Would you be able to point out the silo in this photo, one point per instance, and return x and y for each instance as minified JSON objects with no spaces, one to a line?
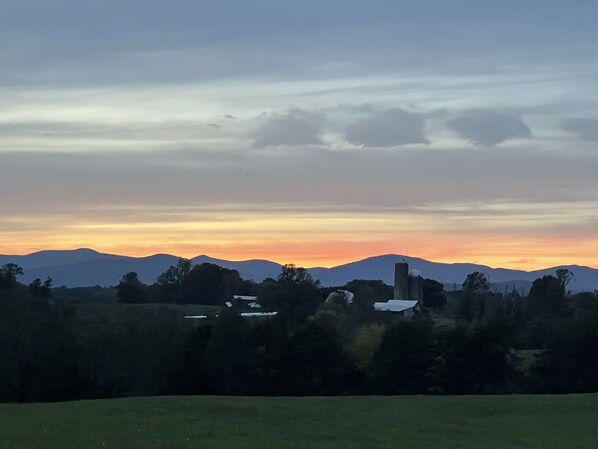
{"x":401,"y":280}
{"x":415,"y":290}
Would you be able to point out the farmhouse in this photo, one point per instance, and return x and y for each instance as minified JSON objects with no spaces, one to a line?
{"x":408,"y":292}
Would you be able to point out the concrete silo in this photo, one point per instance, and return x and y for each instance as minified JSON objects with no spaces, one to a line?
{"x":401,"y":281}
{"x":415,"y":290}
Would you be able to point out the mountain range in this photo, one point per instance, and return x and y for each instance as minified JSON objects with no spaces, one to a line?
{"x":86,"y":267}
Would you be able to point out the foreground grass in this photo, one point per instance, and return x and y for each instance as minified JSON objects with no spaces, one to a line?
{"x":339,"y":422}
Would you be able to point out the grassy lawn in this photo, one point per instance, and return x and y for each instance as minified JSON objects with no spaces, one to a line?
{"x":559,"y":422}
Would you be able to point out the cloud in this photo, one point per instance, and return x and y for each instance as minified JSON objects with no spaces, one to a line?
{"x":293,"y":127}
{"x":488,"y":128}
{"x":256,"y":201}
{"x":57,"y":182}
{"x":64,"y":42}
{"x":388,"y":128}
{"x":586,"y":129}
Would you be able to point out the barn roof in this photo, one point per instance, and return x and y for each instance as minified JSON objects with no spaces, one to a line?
{"x":395,"y":305}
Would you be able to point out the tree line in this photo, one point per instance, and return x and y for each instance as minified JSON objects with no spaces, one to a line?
{"x":471,"y":341}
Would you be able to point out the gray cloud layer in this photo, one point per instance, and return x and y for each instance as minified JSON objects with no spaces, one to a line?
{"x":388,"y":128}
{"x":132,"y":41}
{"x":586,"y":129}
{"x":57,"y":183}
{"x":488,"y":128}
{"x":293,"y":127}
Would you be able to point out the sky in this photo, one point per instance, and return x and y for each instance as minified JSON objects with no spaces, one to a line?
{"x":312,"y":132}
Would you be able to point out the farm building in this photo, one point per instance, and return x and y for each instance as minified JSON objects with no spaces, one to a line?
{"x":246,"y":301}
{"x":408,"y":292}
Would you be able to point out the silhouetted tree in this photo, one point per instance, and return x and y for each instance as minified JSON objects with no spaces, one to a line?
{"x":229,"y":354}
{"x":475,"y":358}
{"x":209,"y":284}
{"x":570,"y":361}
{"x":405,"y":355}
{"x":365,"y":345}
{"x":366,"y":292}
{"x":472,"y":299}
{"x":8,"y":275}
{"x":170,"y":282}
{"x":194,"y":376}
{"x":291,"y":274}
{"x":476,"y":283}
{"x":315,"y":362}
{"x":565,"y":276}
{"x":41,"y":289}
{"x":295,"y":292}
{"x":546,"y":296}
{"x":130,"y":289}
{"x":433,"y":293}
{"x":38,"y":351}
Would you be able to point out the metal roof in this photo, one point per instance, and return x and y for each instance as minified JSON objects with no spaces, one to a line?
{"x":245,"y":298}
{"x":395,"y":305}
{"x":252,"y":314}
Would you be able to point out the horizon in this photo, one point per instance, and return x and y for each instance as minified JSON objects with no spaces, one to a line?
{"x":315,"y":133}
{"x":290,"y":262}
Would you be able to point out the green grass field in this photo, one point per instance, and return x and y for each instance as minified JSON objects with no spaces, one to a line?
{"x":559,"y":422}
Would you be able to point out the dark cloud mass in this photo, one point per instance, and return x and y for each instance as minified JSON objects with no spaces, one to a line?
{"x":488,"y":128}
{"x":586,"y":129}
{"x":291,"y":128}
{"x":388,"y":128}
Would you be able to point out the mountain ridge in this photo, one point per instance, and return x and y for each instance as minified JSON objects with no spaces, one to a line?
{"x":87,"y":267}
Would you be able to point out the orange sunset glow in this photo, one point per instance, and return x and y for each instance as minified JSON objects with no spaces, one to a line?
{"x":321,"y":239}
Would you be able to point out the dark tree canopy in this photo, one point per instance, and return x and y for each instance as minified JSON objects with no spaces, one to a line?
{"x":53,"y":351}
{"x":175,"y":275}
{"x":476,"y":283}
{"x":405,"y":353}
{"x":206,"y":283}
{"x":564,"y":276}
{"x":209,"y":284}
{"x":369,"y":291}
{"x":8,"y":275}
{"x":42,"y":289}
{"x":433,"y":293}
{"x":131,"y":290}
{"x":546,"y":296}
{"x":291,"y":274}
{"x":294,"y":292}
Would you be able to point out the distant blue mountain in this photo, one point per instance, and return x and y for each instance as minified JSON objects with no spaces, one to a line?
{"x":382,"y":267}
{"x":452,"y":275}
{"x":64,"y":257}
{"x":86,"y":267}
{"x":256,"y":269}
